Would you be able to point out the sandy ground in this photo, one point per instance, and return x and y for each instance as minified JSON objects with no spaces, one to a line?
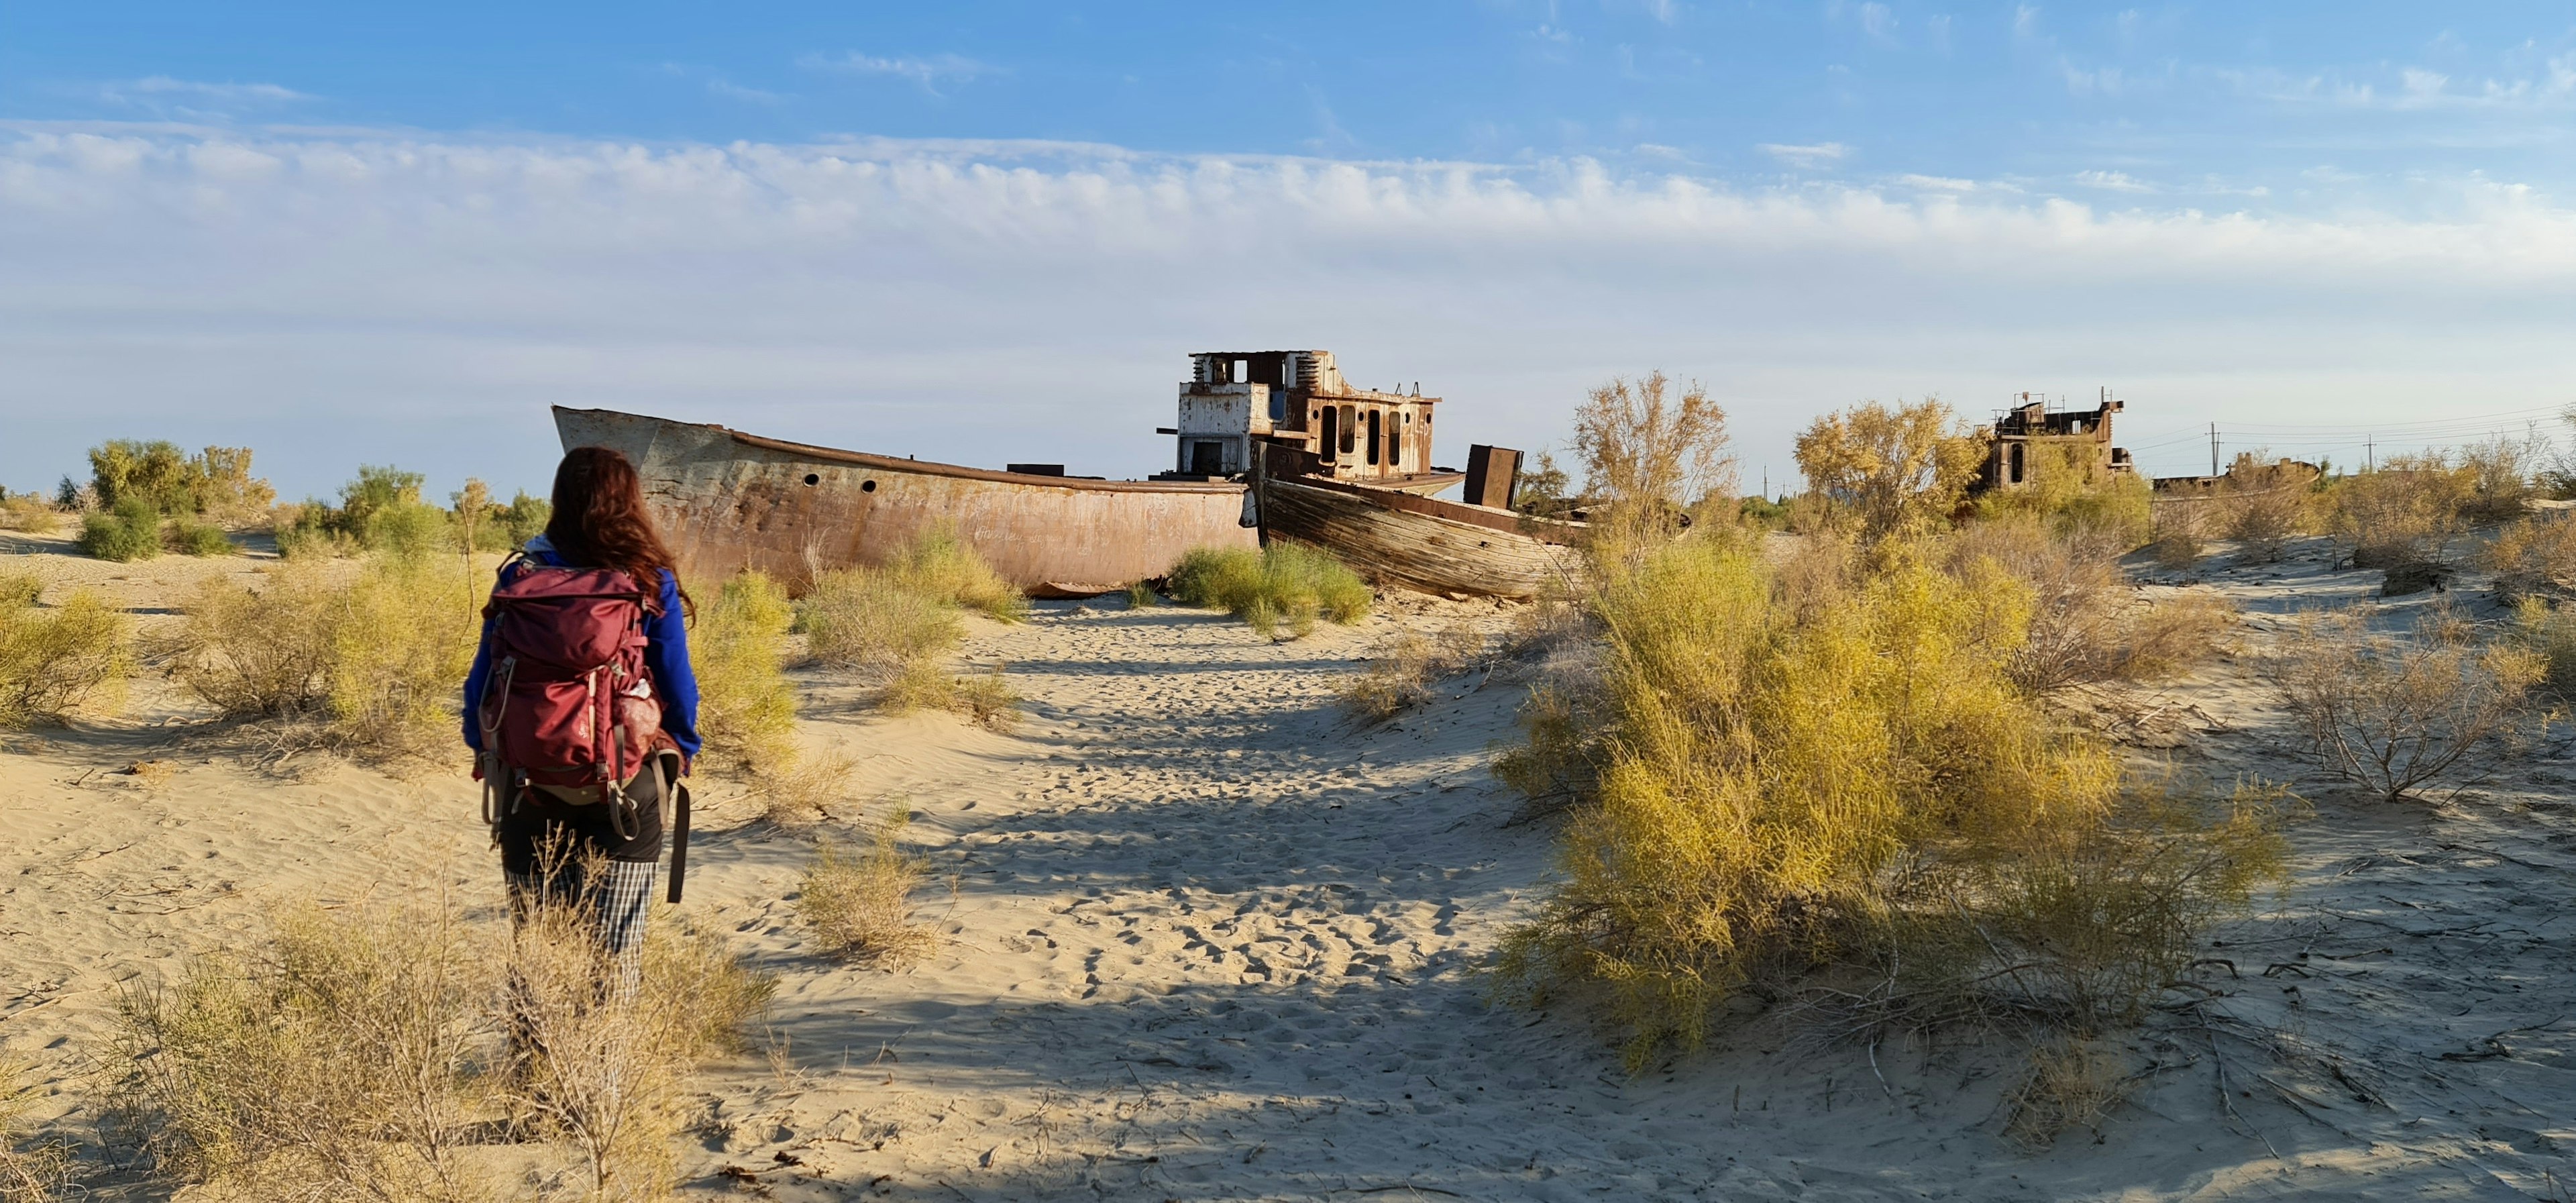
{"x":1207,"y":937}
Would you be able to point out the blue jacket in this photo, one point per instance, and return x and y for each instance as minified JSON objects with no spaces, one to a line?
{"x":666,"y":659}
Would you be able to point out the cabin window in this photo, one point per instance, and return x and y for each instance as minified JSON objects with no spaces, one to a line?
{"x":1332,"y":424}
{"x":1394,"y":444}
{"x":1278,"y":407}
{"x":1207,"y":457}
{"x":2015,"y":457}
{"x":1373,"y":436}
{"x":1350,"y":426}
{"x":1239,"y":374}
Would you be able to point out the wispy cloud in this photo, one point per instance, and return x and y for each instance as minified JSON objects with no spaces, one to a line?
{"x":163,"y":85}
{"x":2112,"y":181}
{"x":718,"y":86}
{"x":1809,"y":156}
{"x":927,"y":72}
{"x":198,"y":100}
{"x":1876,"y":21}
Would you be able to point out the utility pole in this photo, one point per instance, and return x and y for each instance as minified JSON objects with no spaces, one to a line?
{"x":2213,"y":448}
{"x":2369,"y":453}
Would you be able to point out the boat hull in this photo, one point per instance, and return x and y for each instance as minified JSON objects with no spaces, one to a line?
{"x":1420,"y":543}
{"x":726,"y":501}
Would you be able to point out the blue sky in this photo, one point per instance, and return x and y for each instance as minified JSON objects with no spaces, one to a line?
{"x":350,"y":233}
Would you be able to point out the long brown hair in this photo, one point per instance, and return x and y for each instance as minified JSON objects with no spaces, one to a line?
{"x":599,"y":520}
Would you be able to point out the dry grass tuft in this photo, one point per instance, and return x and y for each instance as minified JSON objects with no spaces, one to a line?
{"x":190,"y":537}
{"x":1403,"y":666}
{"x":985,"y":698}
{"x":859,"y":903}
{"x":867,"y":621}
{"x":55,"y":659}
{"x":938,"y":564}
{"x":2071,"y":1083}
{"x":2180,"y":531}
{"x":1140,"y":595}
{"x":746,"y":705}
{"x":2398,"y":713}
{"x":1285,"y":583}
{"x":34,"y":1167}
{"x":807,"y":789}
{"x":2086,"y":626}
{"x":2549,"y":632}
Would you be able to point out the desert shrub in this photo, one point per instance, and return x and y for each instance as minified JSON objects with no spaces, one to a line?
{"x":1858,"y":795}
{"x":2181,"y":529}
{"x":483,"y":525}
{"x":1900,"y":470}
{"x":2398,"y":713}
{"x":335,"y":1061}
{"x":128,"y":531}
{"x":20,"y":589}
{"x":264,"y":651}
{"x":2071,"y":490}
{"x":189,"y":537}
{"x":2085,"y":625}
{"x":2407,"y":512}
{"x":1647,"y":456}
{"x":30,"y":513}
{"x":2261,"y":504}
{"x":1543,"y":490}
{"x":867,"y":620}
{"x":2502,"y":477}
{"x":215,"y":482}
{"x":381,"y":510}
{"x":1403,"y":666}
{"x":985,"y":698}
{"x":2534,"y":558}
{"x":2069,"y":1083}
{"x":746,"y":706}
{"x":1285,"y":582}
{"x":54,"y":659}
{"x":351,"y":1054}
{"x":859,"y":901}
{"x":401,"y":641}
{"x":939,"y":564}
{"x":2549,"y":633}
{"x":1140,"y":595}
{"x":34,"y":1167}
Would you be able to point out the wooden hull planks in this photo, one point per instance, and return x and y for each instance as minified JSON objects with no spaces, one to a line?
{"x":727,"y":501}
{"x":1421,"y":543}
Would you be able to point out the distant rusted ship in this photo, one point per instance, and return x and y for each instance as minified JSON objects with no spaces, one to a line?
{"x":1273,"y":440}
{"x":728,"y":501}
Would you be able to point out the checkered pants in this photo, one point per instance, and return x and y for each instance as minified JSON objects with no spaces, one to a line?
{"x":614,"y":896}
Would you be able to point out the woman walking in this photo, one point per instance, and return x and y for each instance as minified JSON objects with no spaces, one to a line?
{"x":581,"y":707}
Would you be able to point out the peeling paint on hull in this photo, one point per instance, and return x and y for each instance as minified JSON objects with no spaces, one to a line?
{"x":726,"y":501}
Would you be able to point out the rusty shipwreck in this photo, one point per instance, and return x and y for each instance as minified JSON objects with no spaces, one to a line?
{"x":1349,"y":469}
{"x":727,"y":501}
{"x":1270,"y":444}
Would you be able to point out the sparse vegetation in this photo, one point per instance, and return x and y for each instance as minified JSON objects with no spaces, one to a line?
{"x":2070,"y":1083}
{"x":1140,"y":595}
{"x":2399,"y":714}
{"x":2549,"y":632}
{"x":896,"y":625}
{"x":1858,"y":792}
{"x":1284,"y":583}
{"x":2086,"y":626}
{"x":746,"y":706}
{"x":859,"y":901}
{"x":483,"y":525}
{"x":938,"y":564}
{"x":54,"y":659}
{"x":2068,"y":488}
{"x":215,"y":483}
{"x":2408,"y":512}
{"x":190,"y":537}
{"x":260,"y":652}
{"x":34,"y":1167}
{"x":2534,"y":558}
{"x":127,"y":531}
{"x":2263,"y":502}
{"x":1900,"y":471}
{"x":1405,"y":664}
{"x":28,"y":512}
{"x":2181,"y":528}
{"x":985,"y":698}
{"x":359,"y":1054}
{"x":380,"y":511}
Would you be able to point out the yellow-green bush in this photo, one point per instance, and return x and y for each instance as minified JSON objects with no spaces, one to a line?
{"x":2549,"y":632}
{"x":2408,"y":512}
{"x":190,"y":537}
{"x":53,"y":659}
{"x":216,"y":482}
{"x":2086,"y":624}
{"x":871,"y":622}
{"x":2534,"y":558}
{"x":859,"y":901}
{"x":262,"y":651}
{"x":2069,"y":489}
{"x":1285,"y":582}
{"x":1857,"y":793}
{"x":28,"y":512}
{"x":939,"y":564}
{"x":738,"y":649}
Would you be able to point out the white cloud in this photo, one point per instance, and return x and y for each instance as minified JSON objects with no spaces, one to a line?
{"x":421,"y":300}
{"x":1935,"y":183}
{"x":1809,"y":156}
{"x":1878,"y":21}
{"x":163,"y":85}
{"x":2112,"y":181}
{"x":927,"y":72}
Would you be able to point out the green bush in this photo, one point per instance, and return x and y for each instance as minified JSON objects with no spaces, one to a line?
{"x":54,"y":659}
{"x":216,"y":481}
{"x":379,"y":511}
{"x":1285,"y":582}
{"x":129,"y":531}
{"x":190,"y":537}
{"x":493,"y":527}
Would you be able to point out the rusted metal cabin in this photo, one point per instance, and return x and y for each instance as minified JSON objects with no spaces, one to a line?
{"x":1297,"y":401}
{"x":2026,"y":437}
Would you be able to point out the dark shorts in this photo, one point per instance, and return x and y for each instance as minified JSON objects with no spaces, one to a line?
{"x":538,"y":818}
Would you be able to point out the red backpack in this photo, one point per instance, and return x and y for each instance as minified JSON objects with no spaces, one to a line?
{"x":568,"y":706}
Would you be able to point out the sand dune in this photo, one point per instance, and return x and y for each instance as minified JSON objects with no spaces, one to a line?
{"x":1211,"y":938}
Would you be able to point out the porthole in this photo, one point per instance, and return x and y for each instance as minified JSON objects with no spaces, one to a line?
{"x":813,"y":479}
{"x":867,"y":486}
